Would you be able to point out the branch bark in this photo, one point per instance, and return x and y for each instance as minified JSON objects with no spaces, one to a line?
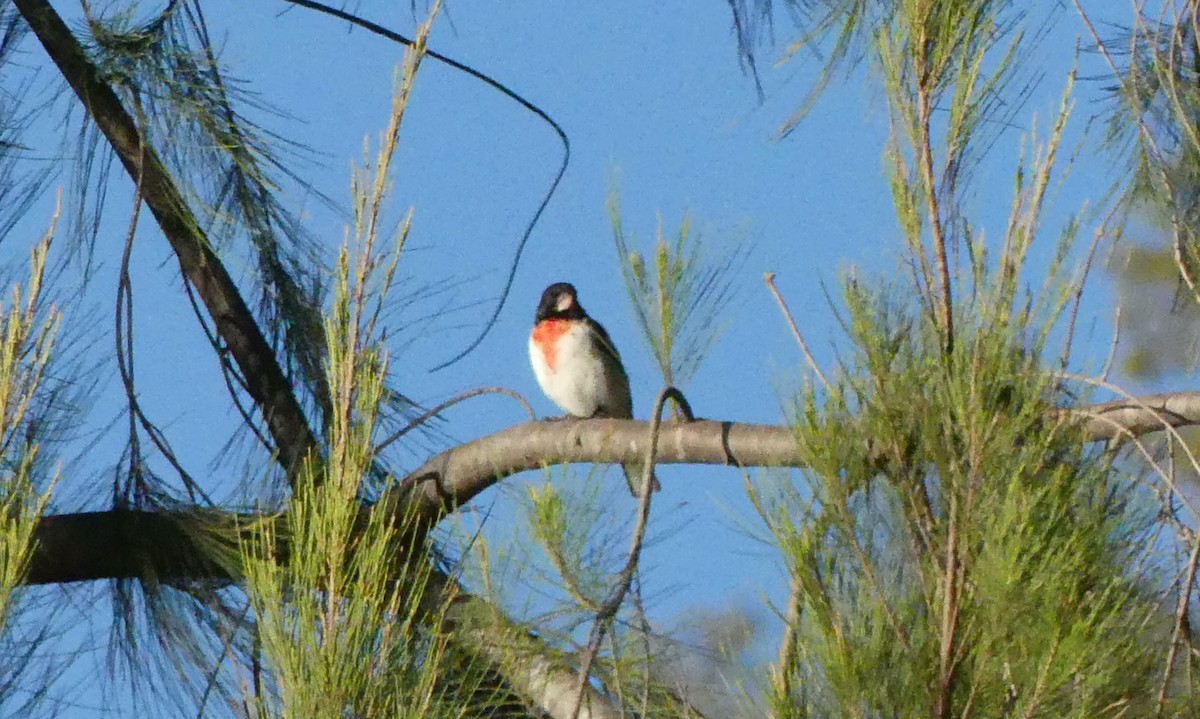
{"x":1139,"y":415}
{"x":118,"y":544}
{"x":167,"y":546}
{"x":541,"y":675}
{"x":456,"y":476}
{"x":170,"y":546}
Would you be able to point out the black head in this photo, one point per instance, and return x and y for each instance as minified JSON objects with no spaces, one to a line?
{"x":559,"y":301}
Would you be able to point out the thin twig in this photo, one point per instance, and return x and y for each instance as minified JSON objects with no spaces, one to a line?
{"x":644,"y":629}
{"x":1112,"y":350}
{"x":781,"y":678}
{"x":610,"y":606}
{"x":1152,"y":148}
{"x":266,"y":382}
{"x":924,"y":112}
{"x":949,"y":624}
{"x":431,"y":413}
{"x":1077,"y":298}
{"x":769,"y":278}
{"x":1123,"y":431}
{"x":125,"y":363}
{"x":1181,"y":619}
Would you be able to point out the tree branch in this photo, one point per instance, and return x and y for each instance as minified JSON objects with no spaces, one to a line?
{"x":1140,"y":415}
{"x":120,"y":544}
{"x":457,"y":475}
{"x":166,"y":546}
{"x":171,"y":547}
{"x":174,"y":546}
{"x":539,"y":673}
{"x":235,"y":324}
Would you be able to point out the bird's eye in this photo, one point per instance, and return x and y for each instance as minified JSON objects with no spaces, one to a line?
{"x":565,"y":300}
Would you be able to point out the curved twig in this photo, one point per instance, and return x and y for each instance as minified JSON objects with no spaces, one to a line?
{"x":781,"y":675}
{"x":229,"y":373}
{"x":1165,"y":422}
{"x":123,"y":333}
{"x":507,"y":92}
{"x":625,"y":579}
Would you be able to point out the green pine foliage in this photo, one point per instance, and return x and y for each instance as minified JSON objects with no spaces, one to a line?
{"x":28,"y":336}
{"x":955,"y":544}
{"x":956,"y":547}
{"x":679,"y":295}
{"x":348,"y":618}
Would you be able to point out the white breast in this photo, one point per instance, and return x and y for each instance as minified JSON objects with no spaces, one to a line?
{"x":584,"y":382}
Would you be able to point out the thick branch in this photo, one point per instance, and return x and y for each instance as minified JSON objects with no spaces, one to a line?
{"x":537,"y":672}
{"x":163,"y":546}
{"x":121,"y":544}
{"x":235,"y":324}
{"x":457,"y":475}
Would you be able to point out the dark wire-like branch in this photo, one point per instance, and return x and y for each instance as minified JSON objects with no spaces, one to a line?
{"x":125,"y":367}
{"x":229,"y":373}
{"x":243,"y":183}
{"x":507,"y":92}
{"x":442,"y":407}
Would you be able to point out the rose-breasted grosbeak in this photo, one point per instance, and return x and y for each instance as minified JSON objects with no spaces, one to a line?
{"x":578,"y":367}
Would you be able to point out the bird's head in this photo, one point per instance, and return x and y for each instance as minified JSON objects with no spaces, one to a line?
{"x":559,"y":301}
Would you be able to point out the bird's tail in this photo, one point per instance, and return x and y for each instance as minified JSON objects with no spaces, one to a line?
{"x":633,"y":476}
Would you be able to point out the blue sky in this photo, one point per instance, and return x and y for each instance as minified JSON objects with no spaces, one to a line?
{"x":656,"y":106}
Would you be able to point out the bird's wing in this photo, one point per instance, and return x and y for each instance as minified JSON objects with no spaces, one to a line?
{"x":618,"y":401}
{"x":604,"y":341}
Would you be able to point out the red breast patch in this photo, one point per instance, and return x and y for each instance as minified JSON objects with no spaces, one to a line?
{"x":546,"y":335}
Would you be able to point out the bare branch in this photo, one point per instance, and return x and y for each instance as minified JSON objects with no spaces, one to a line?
{"x":265,"y":381}
{"x":1140,"y":415}
{"x":612,"y":605}
{"x":781,"y":673}
{"x":461,"y":397}
{"x":1181,"y":621}
{"x":124,"y":544}
{"x":457,"y":475}
{"x":119,"y":544}
{"x":535,"y":671}
{"x":769,"y":278}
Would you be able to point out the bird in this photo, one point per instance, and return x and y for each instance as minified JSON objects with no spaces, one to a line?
{"x":578,"y":367}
